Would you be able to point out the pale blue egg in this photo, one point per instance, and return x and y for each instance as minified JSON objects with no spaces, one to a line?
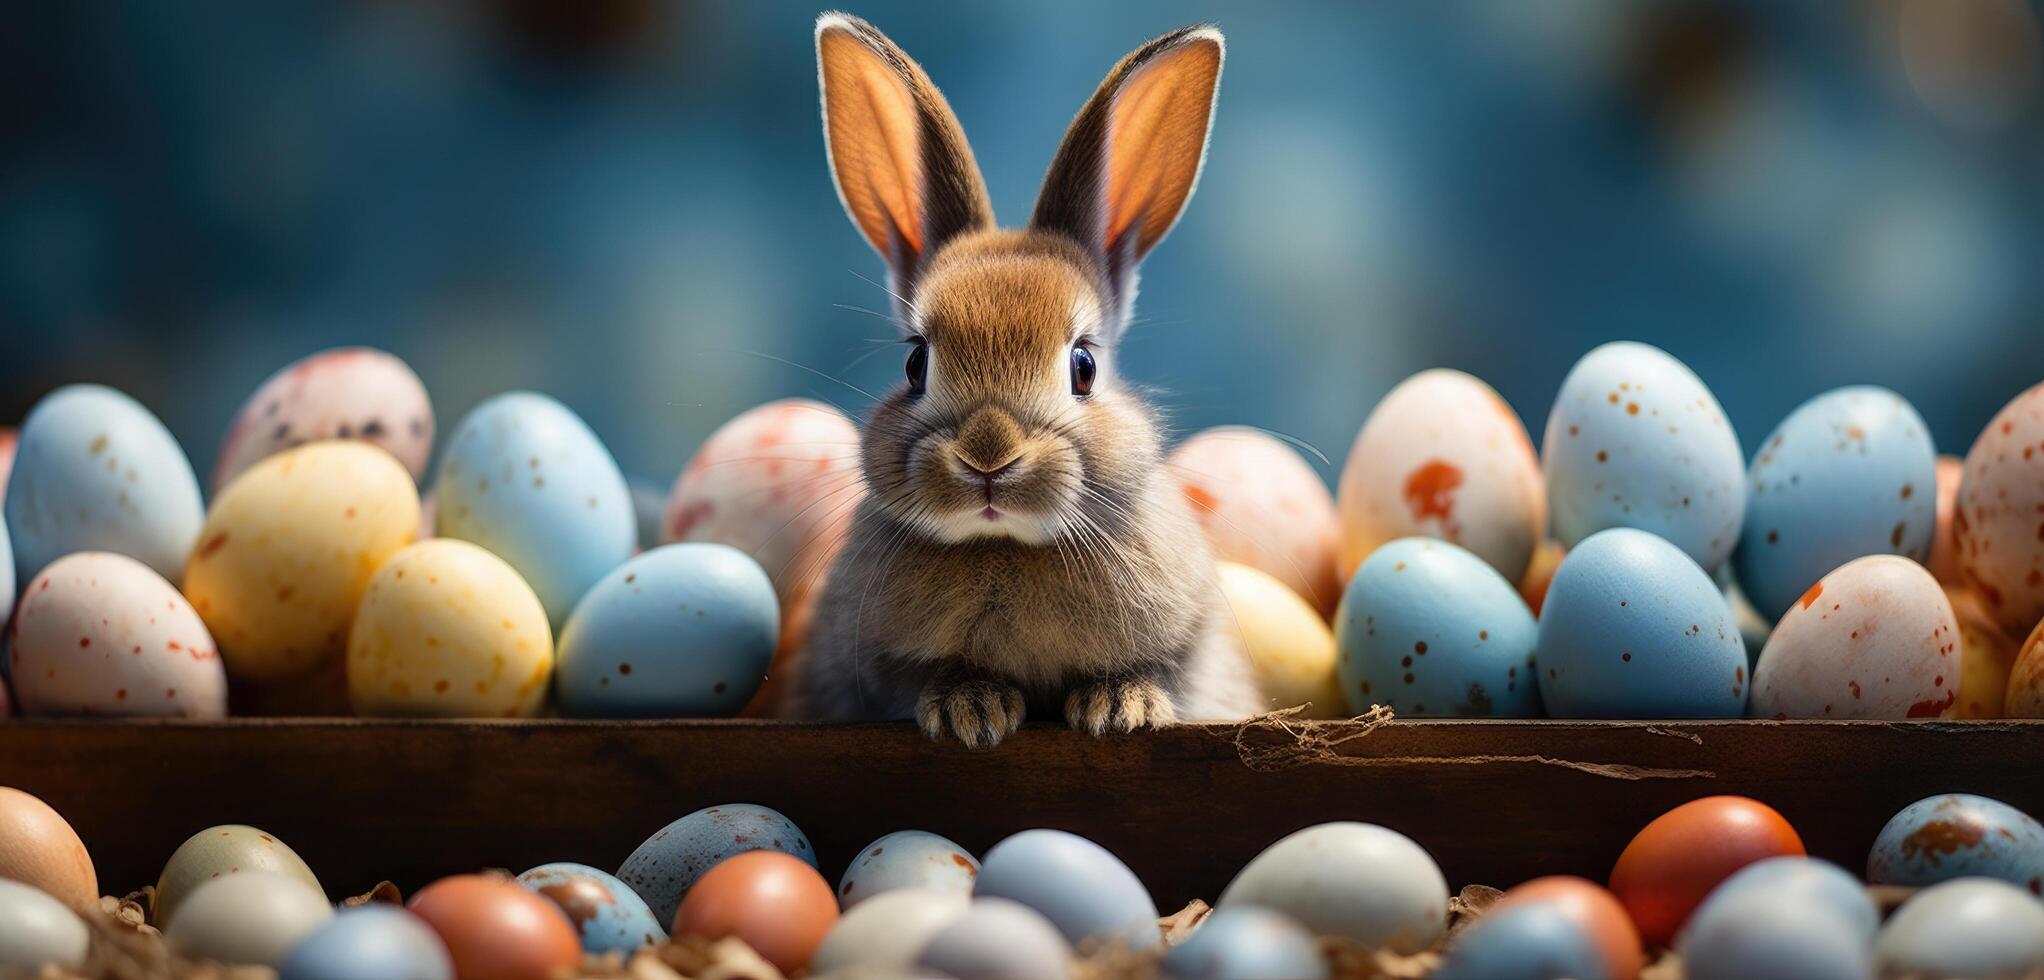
{"x":684,"y":630}
{"x":94,"y":471}
{"x":524,"y":478}
{"x":997,"y":939}
{"x":907,"y":859}
{"x":1529,"y":942}
{"x":1850,"y":473}
{"x":1247,"y":943}
{"x":1959,"y":835}
{"x":1429,"y":628}
{"x":1794,"y":880}
{"x":670,"y":862}
{"x":1635,"y":439}
{"x":607,"y":913}
{"x":375,"y":940}
{"x":1772,"y":935}
{"x":1078,"y":885}
{"x":1632,"y":628}
{"x":1966,"y":927}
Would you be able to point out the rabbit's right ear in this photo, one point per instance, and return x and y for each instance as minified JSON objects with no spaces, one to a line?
{"x":898,"y":155}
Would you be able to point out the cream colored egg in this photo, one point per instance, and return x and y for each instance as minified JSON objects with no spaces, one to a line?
{"x":102,"y":634}
{"x":1998,"y":519}
{"x":220,"y":851}
{"x":1987,"y":656}
{"x":1944,"y":543}
{"x":448,"y":630}
{"x":1444,"y":456}
{"x":1290,"y":648}
{"x":2025,"y":698}
{"x":252,"y":918}
{"x":1876,"y":638}
{"x":1262,"y":505}
{"x":288,"y":549}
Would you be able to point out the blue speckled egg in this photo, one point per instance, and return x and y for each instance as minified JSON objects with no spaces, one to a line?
{"x":527,"y":480}
{"x":1851,"y":472}
{"x":907,"y":859}
{"x":684,"y":630}
{"x":668,"y":864}
{"x":1429,"y":628}
{"x":1632,"y":628}
{"x":1966,"y":927}
{"x":1636,"y":440}
{"x":1758,"y":934}
{"x":996,"y":939}
{"x":94,"y":471}
{"x":607,"y":913}
{"x":375,"y":940}
{"x":1529,"y":942}
{"x":1795,"y":880}
{"x":1959,"y":835}
{"x":1247,"y":943}
{"x":1078,"y":885}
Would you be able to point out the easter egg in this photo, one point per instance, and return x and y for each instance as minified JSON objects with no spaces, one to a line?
{"x":1081,"y":887}
{"x":1595,"y":913}
{"x":1367,"y":883}
{"x":996,"y":939}
{"x":1944,"y":542}
{"x":494,"y":928}
{"x":36,"y":929}
{"x":1959,"y":835}
{"x":1873,"y":639}
{"x":1539,"y":575}
{"x":2025,"y":697}
{"x":683,"y":630}
{"x":607,"y":914}
{"x":38,"y":847}
{"x":1443,"y":456}
{"x":448,"y":630}
{"x":1246,"y":943}
{"x":525,"y":478}
{"x":1675,"y":861}
{"x":102,"y":634}
{"x":888,"y":931}
{"x":1849,"y":473}
{"x":1636,"y":440}
{"x":1968,"y":927}
{"x":1530,"y":942}
{"x":1430,"y":629}
{"x":288,"y":551}
{"x":220,"y":851}
{"x":1998,"y":518}
{"x":1289,"y":647}
{"x":907,"y":859}
{"x":255,"y":917}
{"x":1262,"y":506}
{"x":1761,"y":936}
{"x":10,"y":438}
{"x":1632,"y":628}
{"x":1792,"y":881}
{"x":1987,"y":660}
{"x":776,"y":902}
{"x":345,"y":393}
{"x":375,"y":940}
{"x":94,"y":471}
{"x":668,"y":864}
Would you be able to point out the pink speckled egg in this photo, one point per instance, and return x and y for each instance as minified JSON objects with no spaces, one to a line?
{"x":1944,"y":544}
{"x":1999,"y":517}
{"x":101,"y":634}
{"x":1987,"y":656}
{"x":345,"y":393}
{"x":1262,"y":505}
{"x":1876,"y":638}
{"x":1444,"y":456}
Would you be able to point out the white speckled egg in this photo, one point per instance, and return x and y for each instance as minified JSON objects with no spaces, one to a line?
{"x":1367,"y":883}
{"x":288,"y":550}
{"x":1971,"y":927}
{"x":1987,"y":659}
{"x":448,"y":630}
{"x":219,"y":851}
{"x":607,"y":914}
{"x":907,"y":859}
{"x":668,"y":864}
{"x":1290,"y":648}
{"x":1876,"y":638}
{"x":37,"y":930}
{"x":1848,"y":473}
{"x":101,"y":634}
{"x":1998,"y":519}
{"x":254,"y":918}
{"x":525,"y":478}
{"x":1262,"y":505}
{"x":1944,"y":542}
{"x":887,"y":932}
{"x":345,"y":393}
{"x":1432,"y":630}
{"x":1444,"y":456}
{"x":94,"y":471}
{"x":1636,"y":440}
{"x":996,"y":939}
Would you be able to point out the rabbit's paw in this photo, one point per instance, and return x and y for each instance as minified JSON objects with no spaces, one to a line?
{"x":977,"y":710}
{"x":1118,"y":704}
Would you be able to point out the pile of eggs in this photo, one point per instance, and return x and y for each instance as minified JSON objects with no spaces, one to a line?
{"x":1722,"y":882}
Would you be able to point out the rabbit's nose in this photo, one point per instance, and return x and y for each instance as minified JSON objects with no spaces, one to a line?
{"x":988,"y":443}
{"x":986,"y":472}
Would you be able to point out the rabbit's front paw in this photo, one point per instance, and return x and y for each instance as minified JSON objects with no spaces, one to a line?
{"x":979,"y":711}
{"x":1118,"y":704}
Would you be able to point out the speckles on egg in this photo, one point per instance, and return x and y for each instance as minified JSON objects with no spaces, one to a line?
{"x":663,"y":868}
{"x":449,"y":630}
{"x":102,"y":634}
{"x":1262,"y":505}
{"x":908,"y":859}
{"x":1876,"y":638}
{"x":607,"y":914}
{"x":1431,"y":629}
{"x":1959,"y":835}
{"x":1998,"y":518}
{"x":345,"y":393}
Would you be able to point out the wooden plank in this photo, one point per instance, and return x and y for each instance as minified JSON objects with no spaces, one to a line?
{"x":1495,"y":802}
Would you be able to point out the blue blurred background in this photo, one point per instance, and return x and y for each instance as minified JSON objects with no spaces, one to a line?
{"x":608,"y":201}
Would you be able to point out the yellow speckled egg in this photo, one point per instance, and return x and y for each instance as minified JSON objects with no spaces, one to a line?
{"x":1987,"y":656}
{"x":2025,"y":698}
{"x":287,"y":550}
{"x":448,"y":630}
{"x":1290,"y":647}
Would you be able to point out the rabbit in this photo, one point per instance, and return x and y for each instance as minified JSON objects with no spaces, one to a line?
{"x":1022,"y":548}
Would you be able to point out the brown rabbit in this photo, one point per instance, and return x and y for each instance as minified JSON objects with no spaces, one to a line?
{"x":1022,"y":546}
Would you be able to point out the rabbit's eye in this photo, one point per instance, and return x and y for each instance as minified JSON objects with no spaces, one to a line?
{"x":918,"y":366}
{"x":1084,"y":369}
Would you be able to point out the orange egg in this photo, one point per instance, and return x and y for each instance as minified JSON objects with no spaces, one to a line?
{"x":38,"y":847}
{"x":493,"y":927}
{"x":1595,"y":911}
{"x":776,"y":902}
{"x":1676,"y":860}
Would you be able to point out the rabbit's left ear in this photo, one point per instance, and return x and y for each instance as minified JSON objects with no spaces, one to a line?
{"x":1132,"y":156}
